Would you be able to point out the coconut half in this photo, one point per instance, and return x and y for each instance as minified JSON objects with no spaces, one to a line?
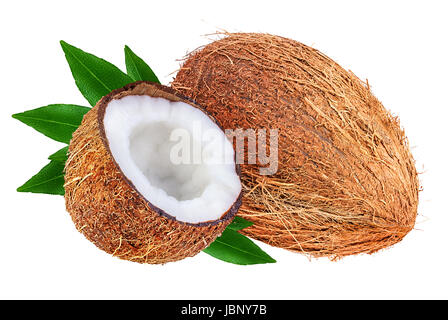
{"x":150,"y":177}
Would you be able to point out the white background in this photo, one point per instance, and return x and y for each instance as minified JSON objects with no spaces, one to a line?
{"x":400,"y":46}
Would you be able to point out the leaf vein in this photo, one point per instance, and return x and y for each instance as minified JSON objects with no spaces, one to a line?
{"x":46,"y":120}
{"x":238,"y":249}
{"x":89,"y":71}
{"x":41,"y":183}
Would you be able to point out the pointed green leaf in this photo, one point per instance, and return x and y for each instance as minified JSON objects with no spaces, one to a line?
{"x":137,"y":68}
{"x":239,"y":223}
{"x":237,"y":249}
{"x":60,"y":155}
{"x":95,"y":77}
{"x":56,"y":121}
{"x":50,"y":180}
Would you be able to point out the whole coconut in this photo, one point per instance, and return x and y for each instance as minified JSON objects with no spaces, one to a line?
{"x":346,"y":180}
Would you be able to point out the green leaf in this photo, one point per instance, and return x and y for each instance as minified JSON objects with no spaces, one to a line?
{"x":94,"y":77}
{"x":235,"y":248}
{"x":239,"y":223}
{"x":137,"y":68}
{"x":60,"y":155}
{"x":56,"y":121}
{"x":50,"y":180}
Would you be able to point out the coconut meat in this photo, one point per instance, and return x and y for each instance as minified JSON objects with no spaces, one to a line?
{"x":174,"y":155}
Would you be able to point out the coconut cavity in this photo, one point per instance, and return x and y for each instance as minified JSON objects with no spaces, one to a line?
{"x":150,"y":148}
{"x":125,"y":194}
{"x":154,"y":140}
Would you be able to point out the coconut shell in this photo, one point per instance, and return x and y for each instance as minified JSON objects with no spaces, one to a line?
{"x":106,"y":207}
{"x":346,"y":180}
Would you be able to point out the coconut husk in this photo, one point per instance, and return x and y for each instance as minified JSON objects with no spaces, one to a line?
{"x":346,"y":180}
{"x":110,"y":212}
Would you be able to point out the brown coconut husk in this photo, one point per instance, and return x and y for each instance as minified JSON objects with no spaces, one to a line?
{"x":110,"y":212}
{"x":346,"y":182}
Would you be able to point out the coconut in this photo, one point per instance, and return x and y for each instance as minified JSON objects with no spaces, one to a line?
{"x":346,"y":181}
{"x":127,"y":192}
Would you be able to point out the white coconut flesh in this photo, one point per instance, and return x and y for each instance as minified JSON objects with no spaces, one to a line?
{"x":174,"y":155}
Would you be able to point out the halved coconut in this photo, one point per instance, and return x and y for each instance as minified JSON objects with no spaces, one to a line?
{"x":150,"y":177}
